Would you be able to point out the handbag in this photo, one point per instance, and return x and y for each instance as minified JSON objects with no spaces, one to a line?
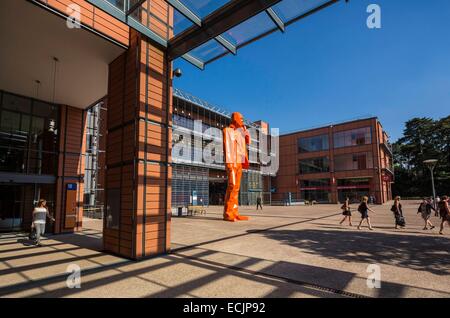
{"x":401,"y":220}
{"x":32,"y":235}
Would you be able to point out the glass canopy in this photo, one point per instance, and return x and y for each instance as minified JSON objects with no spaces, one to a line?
{"x":274,"y":18}
{"x":204,"y":30}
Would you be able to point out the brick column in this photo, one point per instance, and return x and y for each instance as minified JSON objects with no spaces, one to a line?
{"x":69,"y":183}
{"x":138,"y":175}
{"x":333,"y":185}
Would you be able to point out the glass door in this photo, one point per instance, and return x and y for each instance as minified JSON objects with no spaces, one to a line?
{"x":10,"y":208}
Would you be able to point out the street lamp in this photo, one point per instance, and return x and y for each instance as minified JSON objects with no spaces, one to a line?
{"x":431,"y":164}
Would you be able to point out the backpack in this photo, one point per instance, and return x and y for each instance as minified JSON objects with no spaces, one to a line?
{"x":360,"y":208}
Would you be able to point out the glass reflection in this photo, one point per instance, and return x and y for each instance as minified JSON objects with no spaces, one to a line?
{"x":28,"y":135}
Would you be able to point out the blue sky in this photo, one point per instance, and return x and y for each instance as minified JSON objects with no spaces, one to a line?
{"x":330,"y":67}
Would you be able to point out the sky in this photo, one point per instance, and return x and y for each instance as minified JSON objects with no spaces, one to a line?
{"x":330,"y":67}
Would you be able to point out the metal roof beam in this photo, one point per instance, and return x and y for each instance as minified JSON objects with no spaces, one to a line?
{"x":194,"y":61}
{"x":276,"y":19}
{"x":180,"y":7}
{"x":226,"y":44}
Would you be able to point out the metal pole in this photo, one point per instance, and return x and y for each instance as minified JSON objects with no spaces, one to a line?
{"x":434,"y":191}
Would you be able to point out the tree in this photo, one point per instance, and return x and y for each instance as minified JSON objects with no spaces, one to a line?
{"x":423,"y":138}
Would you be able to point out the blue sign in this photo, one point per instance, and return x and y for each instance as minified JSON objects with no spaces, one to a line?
{"x":71,"y":186}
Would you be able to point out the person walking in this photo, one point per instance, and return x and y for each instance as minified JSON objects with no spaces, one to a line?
{"x":398,"y":213}
{"x":258,"y":203}
{"x":437,"y":200}
{"x":425,"y":210}
{"x":346,"y":212}
{"x":40,"y":215}
{"x":364,"y":210}
{"x":444,"y":213}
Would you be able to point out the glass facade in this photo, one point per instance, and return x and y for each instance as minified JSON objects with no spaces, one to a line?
{"x":314,"y":165}
{"x":28,"y":149}
{"x":358,"y":182}
{"x":320,"y":196}
{"x":314,"y":183}
{"x":354,"y":189}
{"x":251,"y":187}
{"x":357,"y":161}
{"x":310,"y":144}
{"x":355,"y":195}
{"x":28,"y":135}
{"x":354,"y":137}
{"x":189,"y":182}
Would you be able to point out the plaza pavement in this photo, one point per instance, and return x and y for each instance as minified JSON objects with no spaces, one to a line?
{"x":296,"y":251}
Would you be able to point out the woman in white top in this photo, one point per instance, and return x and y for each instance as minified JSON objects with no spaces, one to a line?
{"x":40,"y":215}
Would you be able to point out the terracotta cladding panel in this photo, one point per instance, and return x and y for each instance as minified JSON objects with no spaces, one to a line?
{"x":94,"y":18}
{"x":353,"y":125}
{"x":71,"y":166}
{"x":354,"y":173}
{"x":154,"y":235}
{"x":111,"y":244}
{"x":159,"y":8}
{"x":309,"y":133}
{"x":111,"y":233}
{"x":126,"y":97}
{"x":86,"y":15}
{"x":155,"y":249}
{"x":313,"y":176}
{"x":355,"y":149}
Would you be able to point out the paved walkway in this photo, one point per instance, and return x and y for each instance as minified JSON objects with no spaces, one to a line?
{"x":281,"y":252}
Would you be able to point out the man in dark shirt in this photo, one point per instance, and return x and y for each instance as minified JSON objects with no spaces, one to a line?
{"x":258,"y":203}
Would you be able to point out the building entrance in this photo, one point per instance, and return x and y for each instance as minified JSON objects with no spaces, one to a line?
{"x":217,"y":190}
{"x":17,"y":202}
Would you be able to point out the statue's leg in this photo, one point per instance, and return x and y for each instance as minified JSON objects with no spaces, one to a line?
{"x":236,"y":195}
{"x":228,"y":211}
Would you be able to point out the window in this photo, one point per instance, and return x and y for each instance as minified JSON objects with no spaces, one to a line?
{"x":28,"y":135}
{"x":353,"y":182}
{"x":314,"y":183}
{"x":320,"y":196}
{"x":358,"y":161}
{"x":310,"y":144}
{"x":314,"y":165}
{"x":354,"y":137}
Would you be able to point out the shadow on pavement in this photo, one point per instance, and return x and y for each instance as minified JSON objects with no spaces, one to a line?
{"x":427,"y":253}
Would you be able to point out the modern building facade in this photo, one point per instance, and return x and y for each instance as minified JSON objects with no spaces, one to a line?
{"x":328,"y":164}
{"x":61,"y":58}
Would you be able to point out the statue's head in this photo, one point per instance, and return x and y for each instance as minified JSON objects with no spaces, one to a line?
{"x":237,"y":120}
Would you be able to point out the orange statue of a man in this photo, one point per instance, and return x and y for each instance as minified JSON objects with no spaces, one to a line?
{"x":235,"y":140}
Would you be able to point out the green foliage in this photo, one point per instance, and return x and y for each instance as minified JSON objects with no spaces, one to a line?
{"x":423,"y":138}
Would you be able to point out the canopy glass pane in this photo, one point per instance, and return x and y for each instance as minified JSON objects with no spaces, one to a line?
{"x":180,"y":23}
{"x":288,"y":10}
{"x":119,"y":4}
{"x":203,"y":8}
{"x":250,"y":29}
{"x":208,"y":51}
